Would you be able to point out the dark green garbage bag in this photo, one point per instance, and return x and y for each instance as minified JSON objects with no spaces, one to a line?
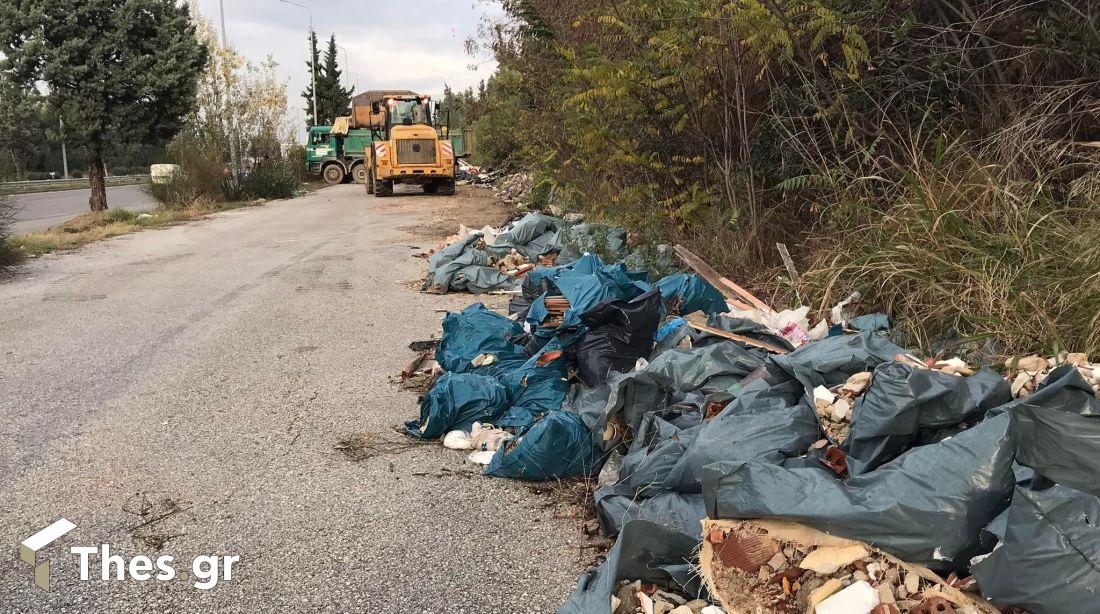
{"x":457,"y":401}
{"x":478,"y":330}
{"x":645,"y":551}
{"x":557,"y":446}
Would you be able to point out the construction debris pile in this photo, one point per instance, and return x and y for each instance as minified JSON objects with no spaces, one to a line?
{"x":835,"y":471}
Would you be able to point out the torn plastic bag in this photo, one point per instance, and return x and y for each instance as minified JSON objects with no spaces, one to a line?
{"x":831,"y":361}
{"x":645,"y":551}
{"x":535,"y":387}
{"x":666,"y":380}
{"x":928,"y":506}
{"x":766,"y":422}
{"x":593,"y":238}
{"x":687,"y":293}
{"x":1048,"y":560}
{"x":481,"y":279}
{"x":533,"y":235}
{"x":903,"y":402}
{"x":620,"y":332}
{"x":1058,"y":430}
{"x":655,"y":450}
{"x":616,"y":506}
{"x":456,"y":402}
{"x":871,"y":322}
{"x":442,"y":265}
{"x":740,"y":326}
{"x":474,"y":331}
{"x":557,"y":446}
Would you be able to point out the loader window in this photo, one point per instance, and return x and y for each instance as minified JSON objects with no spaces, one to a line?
{"x":409,"y":112}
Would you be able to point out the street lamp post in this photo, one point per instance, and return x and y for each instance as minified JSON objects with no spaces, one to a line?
{"x":312,"y":56}
{"x":347,"y":67}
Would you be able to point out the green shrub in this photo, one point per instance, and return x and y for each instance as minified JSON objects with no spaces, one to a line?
{"x":270,"y":180}
{"x":121,"y":215}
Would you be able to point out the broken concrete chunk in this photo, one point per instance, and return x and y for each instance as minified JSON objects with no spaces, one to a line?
{"x":857,"y":383}
{"x":859,"y":598}
{"x":823,"y":398}
{"x":828,"y":559}
{"x":840,"y":410}
{"x":483,"y":360}
{"x":824,"y":592}
{"x":885,"y":593}
{"x":1034,"y":364}
{"x":912,"y":583}
{"x":712,"y":609}
{"x":778,"y":562}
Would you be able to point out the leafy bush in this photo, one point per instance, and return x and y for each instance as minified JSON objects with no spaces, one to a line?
{"x":202,"y":176}
{"x":270,"y":180}
{"x":121,"y":215}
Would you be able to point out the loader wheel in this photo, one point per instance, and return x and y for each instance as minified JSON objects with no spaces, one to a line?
{"x":370,"y":182}
{"x":431,"y":188}
{"x":448,"y":188}
{"x":359,"y":173}
{"x":334,"y":174}
{"x":383,"y":188}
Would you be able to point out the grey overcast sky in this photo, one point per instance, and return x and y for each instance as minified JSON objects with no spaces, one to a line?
{"x":391,"y":44}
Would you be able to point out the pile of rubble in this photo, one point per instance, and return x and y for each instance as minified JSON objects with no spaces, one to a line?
{"x":695,"y":401}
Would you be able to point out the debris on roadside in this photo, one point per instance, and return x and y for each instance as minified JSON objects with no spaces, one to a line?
{"x":694,"y":400}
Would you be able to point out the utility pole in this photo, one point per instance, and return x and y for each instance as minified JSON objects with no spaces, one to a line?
{"x":234,"y":151}
{"x":312,"y":56}
{"x":64,"y":152}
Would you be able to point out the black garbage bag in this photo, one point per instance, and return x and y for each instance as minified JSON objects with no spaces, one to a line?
{"x":1048,"y":559}
{"x":645,"y":551}
{"x":902,"y":403}
{"x":620,"y":333}
{"x":616,"y":506}
{"x":1058,"y":431}
{"x":457,"y":401}
{"x":927,"y":506}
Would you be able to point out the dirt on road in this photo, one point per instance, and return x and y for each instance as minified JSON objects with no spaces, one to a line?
{"x":181,"y":392}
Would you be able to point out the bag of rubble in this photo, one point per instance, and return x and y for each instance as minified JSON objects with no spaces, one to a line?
{"x":456,"y":402}
{"x":477,"y":339}
{"x":556,"y":446}
{"x":464,"y":265}
{"x":1049,"y":535}
{"x":645,"y":552}
{"x":535,"y":388}
{"x":533,"y":235}
{"x":928,"y":506}
{"x":776,"y":567}
{"x":620,"y":332}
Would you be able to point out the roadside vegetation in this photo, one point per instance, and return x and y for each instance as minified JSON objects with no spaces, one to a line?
{"x":9,"y":255}
{"x":939,"y":157}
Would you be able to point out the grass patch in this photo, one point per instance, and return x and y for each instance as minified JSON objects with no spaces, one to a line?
{"x":91,"y":227}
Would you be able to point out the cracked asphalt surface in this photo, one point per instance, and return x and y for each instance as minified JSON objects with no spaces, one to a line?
{"x":205,"y":372}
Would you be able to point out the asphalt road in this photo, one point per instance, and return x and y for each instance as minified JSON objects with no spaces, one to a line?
{"x":40,"y":211}
{"x":202,"y":374}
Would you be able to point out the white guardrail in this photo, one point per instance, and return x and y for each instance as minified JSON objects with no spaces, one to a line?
{"x":19,"y":186}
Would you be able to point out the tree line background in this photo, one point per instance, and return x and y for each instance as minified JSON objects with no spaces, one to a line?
{"x":940,"y":156}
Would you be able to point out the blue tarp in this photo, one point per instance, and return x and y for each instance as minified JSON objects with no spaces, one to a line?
{"x":692,"y":293}
{"x":477,"y":330}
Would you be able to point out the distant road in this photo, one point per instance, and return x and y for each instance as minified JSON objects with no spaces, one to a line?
{"x":40,"y":211}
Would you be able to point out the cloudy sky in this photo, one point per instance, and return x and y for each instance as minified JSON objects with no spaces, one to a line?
{"x":391,"y":44}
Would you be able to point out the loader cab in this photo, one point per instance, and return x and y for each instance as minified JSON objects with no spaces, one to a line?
{"x":404,"y":111}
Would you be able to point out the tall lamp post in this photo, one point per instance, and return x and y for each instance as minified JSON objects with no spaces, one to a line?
{"x":312,"y":56}
{"x":347,"y":67}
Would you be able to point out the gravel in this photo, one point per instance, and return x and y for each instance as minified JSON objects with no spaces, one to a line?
{"x":213,"y":367}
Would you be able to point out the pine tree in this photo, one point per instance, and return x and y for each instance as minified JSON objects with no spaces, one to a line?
{"x":308,"y":93}
{"x":334,"y":100}
{"x":118,"y":71}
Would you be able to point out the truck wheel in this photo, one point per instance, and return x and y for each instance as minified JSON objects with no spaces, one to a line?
{"x":431,"y":188}
{"x":334,"y":174}
{"x":359,"y":173}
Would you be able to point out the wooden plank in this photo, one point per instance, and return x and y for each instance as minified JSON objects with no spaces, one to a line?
{"x":733,"y":292}
{"x":694,"y":322}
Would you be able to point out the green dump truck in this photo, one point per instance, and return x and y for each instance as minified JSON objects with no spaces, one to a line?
{"x":337,"y":152}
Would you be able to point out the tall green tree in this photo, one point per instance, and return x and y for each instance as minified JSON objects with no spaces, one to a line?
{"x":311,"y":65}
{"x":119,"y":71}
{"x":334,"y":99}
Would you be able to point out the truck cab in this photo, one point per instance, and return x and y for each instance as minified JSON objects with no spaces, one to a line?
{"x":337,"y":152}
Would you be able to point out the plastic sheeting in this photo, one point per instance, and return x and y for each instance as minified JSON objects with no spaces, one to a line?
{"x":691,"y":293}
{"x":1048,"y":560}
{"x":536,"y":387}
{"x":902,"y":403}
{"x":557,"y":446}
{"x":928,"y":506}
{"x":620,"y":333}
{"x":474,"y":331}
{"x":457,"y":401}
{"x":461,"y":266}
{"x":645,"y":551}
{"x":616,"y":506}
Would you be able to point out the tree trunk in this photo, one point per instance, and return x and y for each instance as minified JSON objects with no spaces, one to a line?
{"x":97,"y":177}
